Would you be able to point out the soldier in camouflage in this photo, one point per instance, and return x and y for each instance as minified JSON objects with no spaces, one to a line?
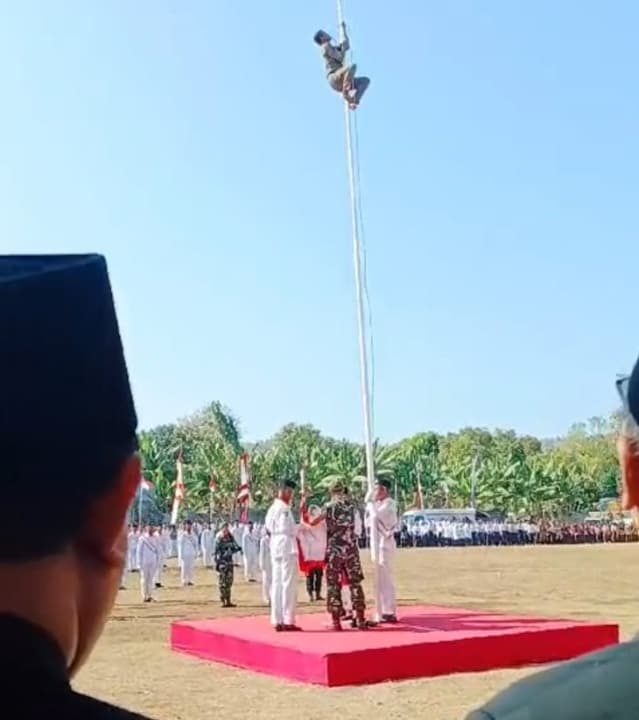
{"x":225,"y":548}
{"x":342,"y":558}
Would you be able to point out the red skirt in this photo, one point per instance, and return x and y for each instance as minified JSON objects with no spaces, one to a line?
{"x":308,"y":566}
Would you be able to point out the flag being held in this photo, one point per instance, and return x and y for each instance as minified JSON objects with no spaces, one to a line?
{"x":180,"y":490}
{"x":243,"y":498}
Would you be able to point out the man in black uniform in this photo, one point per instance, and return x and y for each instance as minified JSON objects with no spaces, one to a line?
{"x":70,"y":465}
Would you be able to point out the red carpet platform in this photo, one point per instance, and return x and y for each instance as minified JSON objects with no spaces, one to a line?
{"x":428,"y":641}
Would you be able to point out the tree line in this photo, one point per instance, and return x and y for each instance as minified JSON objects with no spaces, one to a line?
{"x":493,"y":471}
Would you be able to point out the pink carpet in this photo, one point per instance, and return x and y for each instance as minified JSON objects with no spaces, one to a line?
{"x":428,"y":641}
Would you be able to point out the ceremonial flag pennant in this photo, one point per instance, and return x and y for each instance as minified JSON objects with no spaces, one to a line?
{"x":180,"y":490}
{"x":244,"y":491}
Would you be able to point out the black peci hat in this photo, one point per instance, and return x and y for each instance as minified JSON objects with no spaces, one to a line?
{"x":64,"y":386}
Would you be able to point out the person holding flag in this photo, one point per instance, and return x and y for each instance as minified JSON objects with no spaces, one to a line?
{"x":312,"y":550}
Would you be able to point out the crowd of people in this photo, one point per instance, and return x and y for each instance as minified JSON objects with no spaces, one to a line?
{"x":322,"y":541}
{"x":467,"y":533}
{"x":68,"y":433}
{"x":149,"y":548}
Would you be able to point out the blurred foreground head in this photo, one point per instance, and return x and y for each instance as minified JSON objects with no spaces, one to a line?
{"x":67,"y":446}
{"x":633,"y":393}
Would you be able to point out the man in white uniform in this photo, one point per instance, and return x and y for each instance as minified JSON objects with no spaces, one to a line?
{"x":187,"y":552}
{"x":132,"y":547}
{"x":250,"y":552}
{"x":147,"y":561}
{"x":207,"y":542}
{"x":265,"y":566}
{"x":282,"y":529}
{"x":238,"y":533}
{"x":163,"y":540}
{"x":383,"y":512}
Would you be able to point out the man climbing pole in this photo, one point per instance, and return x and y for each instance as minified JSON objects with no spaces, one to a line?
{"x":341,"y":76}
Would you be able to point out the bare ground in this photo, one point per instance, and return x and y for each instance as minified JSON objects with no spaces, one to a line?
{"x":133,"y":666}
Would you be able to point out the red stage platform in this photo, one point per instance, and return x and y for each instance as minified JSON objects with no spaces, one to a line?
{"x":428,"y":641}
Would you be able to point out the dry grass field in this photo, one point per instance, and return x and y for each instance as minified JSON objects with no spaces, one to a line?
{"x":133,"y":665}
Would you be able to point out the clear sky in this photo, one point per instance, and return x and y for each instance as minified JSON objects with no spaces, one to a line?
{"x":195,"y":143}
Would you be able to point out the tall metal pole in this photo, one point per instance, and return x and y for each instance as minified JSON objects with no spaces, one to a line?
{"x":363,"y":350}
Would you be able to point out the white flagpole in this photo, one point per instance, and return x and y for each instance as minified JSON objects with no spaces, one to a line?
{"x":363,"y":350}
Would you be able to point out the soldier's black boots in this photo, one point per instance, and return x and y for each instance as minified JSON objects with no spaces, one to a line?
{"x":360,"y":621}
{"x":337,"y":624}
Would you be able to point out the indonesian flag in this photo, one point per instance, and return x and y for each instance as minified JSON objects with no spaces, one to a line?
{"x":146,"y":485}
{"x":212,"y":484}
{"x":180,"y":490}
{"x":244,"y":491}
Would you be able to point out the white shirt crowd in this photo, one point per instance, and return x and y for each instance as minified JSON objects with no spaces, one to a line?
{"x":469,"y":532}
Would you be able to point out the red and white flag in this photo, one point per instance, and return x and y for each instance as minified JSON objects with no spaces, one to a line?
{"x":180,"y":490}
{"x":212,"y":484}
{"x":244,"y":491}
{"x":146,"y":484}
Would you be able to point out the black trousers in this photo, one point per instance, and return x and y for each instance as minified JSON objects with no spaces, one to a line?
{"x":314,"y":583}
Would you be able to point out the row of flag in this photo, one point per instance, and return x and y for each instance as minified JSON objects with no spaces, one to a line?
{"x":243,"y":498}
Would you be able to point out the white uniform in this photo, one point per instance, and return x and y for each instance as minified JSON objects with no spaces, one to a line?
{"x":147,"y":559}
{"x":238,"y":533}
{"x":283,"y":531}
{"x":163,"y":539}
{"x":385,"y":514}
{"x":206,"y":543}
{"x":264,"y":561}
{"x":132,"y":554}
{"x":250,"y":554}
{"x":187,"y":552}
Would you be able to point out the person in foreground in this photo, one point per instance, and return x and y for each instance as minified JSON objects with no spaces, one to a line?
{"x":598,"y":686}
{"x":68,"y":440}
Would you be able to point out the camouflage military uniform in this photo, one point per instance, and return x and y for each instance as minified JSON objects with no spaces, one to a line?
{"x":342,"y":557}
{"x":225,"y":548}
{"x":598,"y":686}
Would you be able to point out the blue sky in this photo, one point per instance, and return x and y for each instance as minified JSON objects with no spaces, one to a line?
{"x":196,"y":145}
